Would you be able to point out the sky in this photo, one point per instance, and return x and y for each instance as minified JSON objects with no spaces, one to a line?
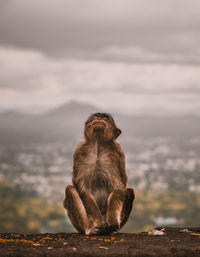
{"x":134,"y":56}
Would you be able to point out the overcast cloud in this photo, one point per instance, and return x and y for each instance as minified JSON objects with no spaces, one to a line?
{"x":136,"y":56}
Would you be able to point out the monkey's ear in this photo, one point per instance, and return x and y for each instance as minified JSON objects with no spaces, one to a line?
{"x":117,"y":132}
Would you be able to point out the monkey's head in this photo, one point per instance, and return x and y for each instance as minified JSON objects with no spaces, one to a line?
{"x":101,"y":126}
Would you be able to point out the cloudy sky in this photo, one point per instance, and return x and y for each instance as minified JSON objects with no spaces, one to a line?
{"x":137,"y":56}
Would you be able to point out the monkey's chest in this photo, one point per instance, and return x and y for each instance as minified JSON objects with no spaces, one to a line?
{"x":102,"y":178}
{"x":101,"y":170}
{"x":97,"y":168}
{"x":103,"y":160}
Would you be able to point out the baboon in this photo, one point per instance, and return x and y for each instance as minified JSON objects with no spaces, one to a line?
{"x":99,"y":200}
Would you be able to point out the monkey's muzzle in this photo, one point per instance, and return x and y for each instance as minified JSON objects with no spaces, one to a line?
{"x":99,"y":123}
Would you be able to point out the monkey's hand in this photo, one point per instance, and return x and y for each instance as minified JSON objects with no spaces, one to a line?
{"x":113,"y":224}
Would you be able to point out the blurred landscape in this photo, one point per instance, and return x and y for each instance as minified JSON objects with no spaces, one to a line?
{"x":162,"y":159}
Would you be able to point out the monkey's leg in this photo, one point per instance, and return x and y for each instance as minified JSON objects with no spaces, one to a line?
{"x":75,"y":209}
{"x":127,"y":206}
{"x":93,"y":213}
{"x":120,"y":204}
{"x":84,"y":223}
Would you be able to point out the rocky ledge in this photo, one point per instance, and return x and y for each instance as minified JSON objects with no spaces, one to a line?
{"x":160,"y":242}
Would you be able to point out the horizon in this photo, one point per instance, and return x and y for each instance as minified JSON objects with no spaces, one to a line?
{"x":37,"y":111}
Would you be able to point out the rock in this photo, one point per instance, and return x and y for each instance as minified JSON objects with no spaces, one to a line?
{"x":170,"y":242}
{"x":157,"y":232}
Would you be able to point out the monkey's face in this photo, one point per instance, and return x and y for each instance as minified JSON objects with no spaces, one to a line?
{"x":101,"y":126}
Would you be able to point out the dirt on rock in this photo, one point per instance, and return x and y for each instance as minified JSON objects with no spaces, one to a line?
{"x":160,"y":242}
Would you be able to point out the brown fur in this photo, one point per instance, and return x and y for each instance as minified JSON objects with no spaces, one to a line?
{"x":99,"y":201}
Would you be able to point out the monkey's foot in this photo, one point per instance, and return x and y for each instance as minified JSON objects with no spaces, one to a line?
{"x":103,"y":229}
{"x":113,"y":228}
{"x":94,"y":230}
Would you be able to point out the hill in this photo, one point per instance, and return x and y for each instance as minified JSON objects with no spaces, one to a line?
{"x":68,"y":121}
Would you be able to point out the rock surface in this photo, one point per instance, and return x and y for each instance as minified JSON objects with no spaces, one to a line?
{"x":160,"y":242}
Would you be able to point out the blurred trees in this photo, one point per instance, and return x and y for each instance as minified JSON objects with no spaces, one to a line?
{"x":149,"y":206}
{"x":26,"y":212}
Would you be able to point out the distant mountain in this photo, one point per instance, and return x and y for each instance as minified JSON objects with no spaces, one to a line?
{"x":67,"y":122}
{"x":14,"y":119}
{"x":72,"y":108}
{"x":67,"y":119}
{"x":64,"y":113}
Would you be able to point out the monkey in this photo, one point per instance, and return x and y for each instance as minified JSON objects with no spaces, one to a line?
{"x":99,"y":201}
